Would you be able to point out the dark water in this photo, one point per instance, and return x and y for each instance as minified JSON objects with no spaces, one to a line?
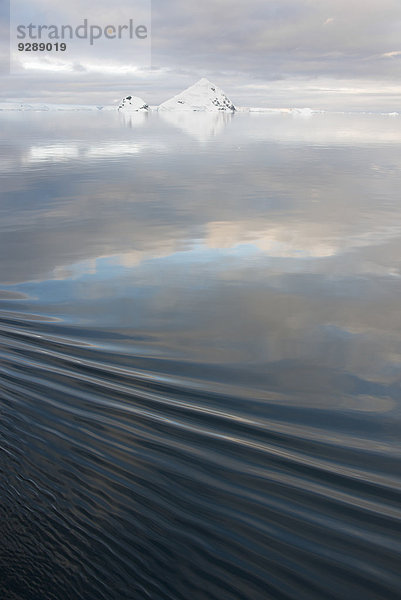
{"x":200,"y":354}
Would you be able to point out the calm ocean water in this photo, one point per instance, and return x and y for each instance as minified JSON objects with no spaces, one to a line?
{"x":200,"y":350}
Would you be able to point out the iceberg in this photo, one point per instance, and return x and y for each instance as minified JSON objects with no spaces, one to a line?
{"x":133,"y":104}
{"x":202,"y":96}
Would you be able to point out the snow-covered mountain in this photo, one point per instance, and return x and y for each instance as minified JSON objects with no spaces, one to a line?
{"x":133,"y":103}
{"x":202,"y":96}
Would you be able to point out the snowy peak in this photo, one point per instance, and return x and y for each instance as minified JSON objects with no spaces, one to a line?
{"x":202,"y":96}
{"x":132,"y":103}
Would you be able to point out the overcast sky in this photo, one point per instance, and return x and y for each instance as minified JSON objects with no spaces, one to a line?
{"x":318,"y":53}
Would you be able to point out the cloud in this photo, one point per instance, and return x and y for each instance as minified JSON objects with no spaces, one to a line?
{"x":391,"y":54}
{"x":54,"y":65}
{"x":234,"y":44}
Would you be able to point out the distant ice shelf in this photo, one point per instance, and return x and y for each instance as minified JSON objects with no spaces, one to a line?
{"x":25,"y":107}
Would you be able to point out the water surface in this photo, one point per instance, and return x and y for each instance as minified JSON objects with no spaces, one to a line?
{"x":200,"y":357}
